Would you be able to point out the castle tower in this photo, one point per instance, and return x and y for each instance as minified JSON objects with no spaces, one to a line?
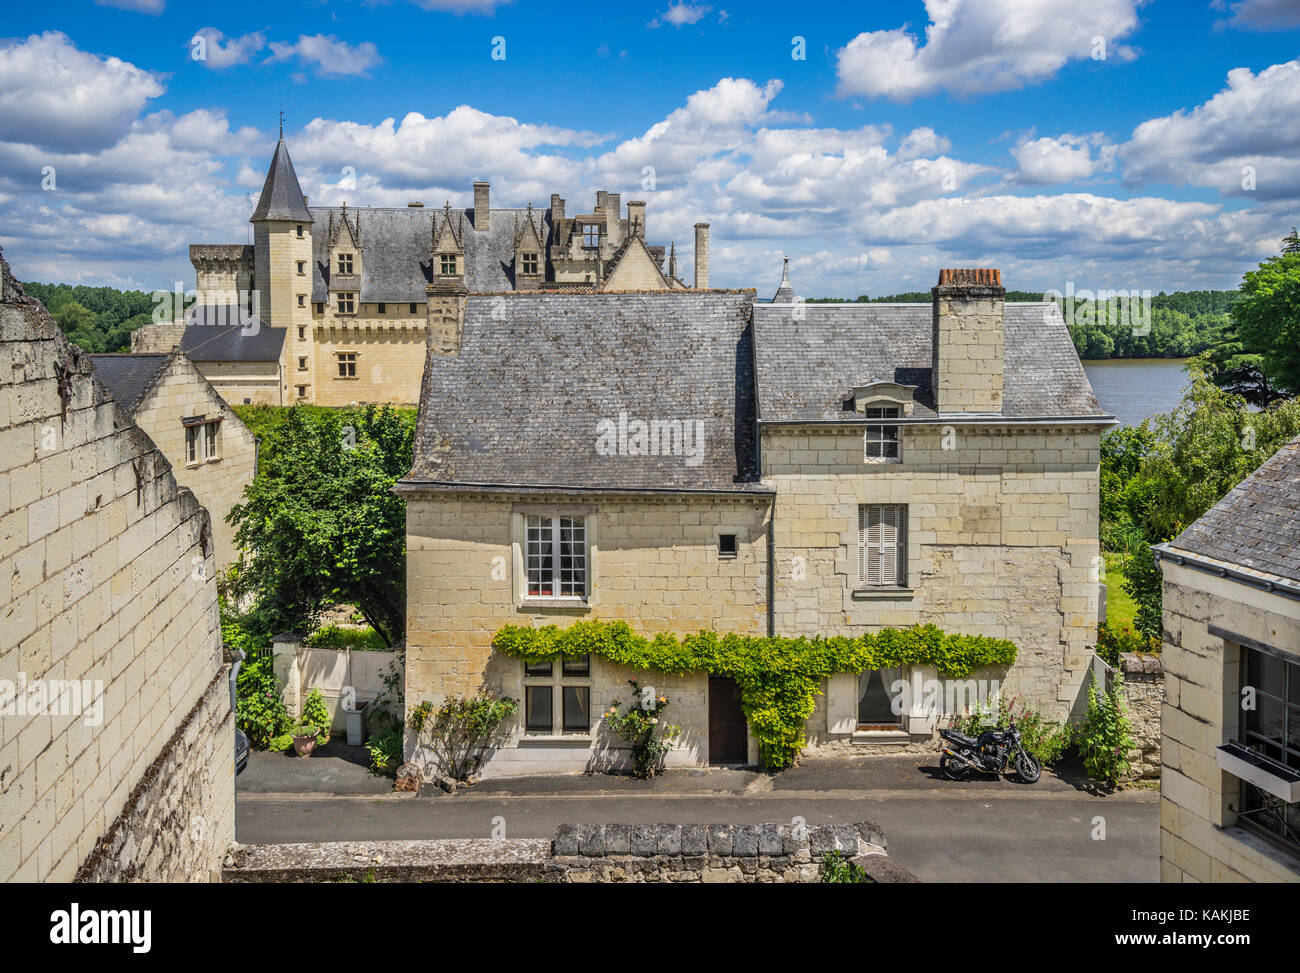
{"x":282,"y":258}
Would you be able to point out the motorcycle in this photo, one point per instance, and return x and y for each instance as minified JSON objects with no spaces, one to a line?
{"x":988,"y":753}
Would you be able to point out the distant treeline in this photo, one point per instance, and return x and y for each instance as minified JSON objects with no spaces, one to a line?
{"x":95,"y":318}
{"x":1182,"y":324}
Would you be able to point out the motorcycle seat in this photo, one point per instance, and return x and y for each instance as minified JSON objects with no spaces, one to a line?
{"x":961,"y":738}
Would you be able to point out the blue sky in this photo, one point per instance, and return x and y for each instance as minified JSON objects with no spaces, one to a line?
{"x":1112,"y":143}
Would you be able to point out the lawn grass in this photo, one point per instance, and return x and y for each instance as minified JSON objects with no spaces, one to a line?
{"x":1120,"y":606}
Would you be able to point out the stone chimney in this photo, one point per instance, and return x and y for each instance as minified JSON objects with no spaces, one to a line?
{"x":636,"y":218}
{"x":557,"y":209}
{"x":482,"y":211}
{"x":967,"y":350}
{"x":701,"y":256}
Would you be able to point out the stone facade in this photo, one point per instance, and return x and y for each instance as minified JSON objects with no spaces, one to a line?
{"x":110,"y":589}
{"x":654,"y":564}
{"x":1206,"y":619}
{"x":1144,"y":694}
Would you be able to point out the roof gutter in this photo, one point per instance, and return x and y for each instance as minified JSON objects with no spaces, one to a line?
{"x":951,"y":420}
{"x":408,"y":485}
{"x":1164,"y":552}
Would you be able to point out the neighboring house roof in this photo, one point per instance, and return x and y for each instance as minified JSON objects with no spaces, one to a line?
{"x":281,"y":197}
{"x":811,"y":357}
{"x":521,"y":403}
{"x":632,"y":252}
{"x":1257,"y":525}
{"x":397,"y":251}
{"x":256,"y":342}
{"x":129,"y":377}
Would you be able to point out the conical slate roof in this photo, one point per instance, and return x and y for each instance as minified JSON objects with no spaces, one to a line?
{"x":281,"y":197}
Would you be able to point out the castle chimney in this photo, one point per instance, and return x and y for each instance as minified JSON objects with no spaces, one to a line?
{"x":967,"y":341}
{"x":701,"y":256}
{"x":557,"y":210}
{"x":636,"y":217}
{"x":482,"y":212}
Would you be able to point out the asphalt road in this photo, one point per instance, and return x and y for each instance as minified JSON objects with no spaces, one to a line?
{"x":951,"y":835}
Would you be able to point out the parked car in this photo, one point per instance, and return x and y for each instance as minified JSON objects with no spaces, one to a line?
{"x":241,"y":751}
{"x":241,"y":741}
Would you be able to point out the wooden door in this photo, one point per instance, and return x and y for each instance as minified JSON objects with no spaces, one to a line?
{"x":728,"y":739}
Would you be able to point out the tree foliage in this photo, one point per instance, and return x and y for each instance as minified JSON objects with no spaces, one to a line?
{"x":320,"y":524}
{"x":95,"y":319}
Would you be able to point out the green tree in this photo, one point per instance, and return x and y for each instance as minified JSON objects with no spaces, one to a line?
{"x":320,"y":525}
{"x":1267,"y":318}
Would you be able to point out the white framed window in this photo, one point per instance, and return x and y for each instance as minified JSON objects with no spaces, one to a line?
{"x":882,"y":545}
{"x":447,"y":264}
{"x":557,"y":696}
{"x":211,"y":432}
{"x":881,"y":442}
{"x":555,"y":556}
{"x":192,"y":431}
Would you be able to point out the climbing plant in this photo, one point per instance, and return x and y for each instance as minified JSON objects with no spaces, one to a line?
{"x":779,"y":678}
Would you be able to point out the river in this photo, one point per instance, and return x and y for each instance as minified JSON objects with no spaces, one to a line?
{"x":1134,"y":389}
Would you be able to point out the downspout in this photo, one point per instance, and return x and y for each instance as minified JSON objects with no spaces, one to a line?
{"x":771,"y":570}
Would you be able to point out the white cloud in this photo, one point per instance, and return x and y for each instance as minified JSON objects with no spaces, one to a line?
{"x":1066,"y":158}
{"x":141,"y":6}
{"x":54,"y":96}
{"x":332,"y":57}
{"x":237,"y":50}
{"x":974,"y":46}
{"x":682,"y":14}
{"x":1261,"y":14}
{"x":1254,"y":121}
{"x":462,"y":6}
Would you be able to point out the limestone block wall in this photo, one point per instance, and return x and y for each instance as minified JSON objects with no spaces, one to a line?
{"x":180,"y":392}
{"x":390,"y":360}
{"x":968,"y":340}
{"x":157,"y":338}
{"x":654,"y":564}
{"x":1200,"y":839}
{"x":260,"y":383}
{"x":109,"y":604}
{"x":1144,"y":691}
{"x":1001,"y":541}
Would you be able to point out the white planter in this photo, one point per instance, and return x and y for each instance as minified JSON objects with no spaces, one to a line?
{"x":355,"y":721}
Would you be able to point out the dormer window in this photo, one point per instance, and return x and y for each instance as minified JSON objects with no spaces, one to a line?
{"x":530,"y":264}
{"x":345,"y":263}
{"x":881,"y":442}
{"x":591,"y":234}
{"x":347,"y":303}
{"x":447,"y":264}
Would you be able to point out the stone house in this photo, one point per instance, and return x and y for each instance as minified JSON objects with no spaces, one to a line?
{"x":1230,"y":780}
{"x":332,"y":306}
{"x":210,"y":450}
{"x":694,"y":460}
{"x":116,"y":735}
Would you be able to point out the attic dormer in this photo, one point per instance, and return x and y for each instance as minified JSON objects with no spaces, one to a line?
{"x":448,"y":246}
{"x":344,"y":235}
{"x":878,"y":394}
{"x":529,"y":264}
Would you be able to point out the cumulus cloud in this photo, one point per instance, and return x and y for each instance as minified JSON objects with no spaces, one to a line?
{"x":54,"y":96}
{"x":974,"y":46}
{"x":154,"y":7}
{"x":1254,"y":122}
{"x":331,"y":56}
{"x":1260,"y":14}
{"x":237,"y":50}
{"x":682,"y":14}
{"x":1063,"y":159}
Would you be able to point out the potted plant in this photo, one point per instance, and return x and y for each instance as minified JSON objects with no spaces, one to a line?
{"x":354,"y":720}
{"x":304,"y":738}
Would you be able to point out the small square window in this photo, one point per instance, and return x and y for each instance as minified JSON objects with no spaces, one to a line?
{"x":347,"y":364}
{"x":546,"y":668}
{"x":447,"y":264}
{"x":414,"y":308}
{"x":302,"y":300}
{"x":345,"y":263}
{"x":726,"y":545}
{"x":578,"y":666}
{"x":300,"y":231}
{"x":302,"y":333}
{"x":320,"y":307}
{"x":347,"y":303}
{"x":383,"y":308}
{"x":302,"y":393}
{"x":302,"y":364}
{"x":530,"y":264}
{"x":302,"y":267}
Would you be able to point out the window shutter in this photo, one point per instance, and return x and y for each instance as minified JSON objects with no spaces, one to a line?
{"x":888,"y":545}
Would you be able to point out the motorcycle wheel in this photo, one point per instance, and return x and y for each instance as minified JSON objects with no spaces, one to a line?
{"x":953,"y":769}
{"x":1028,"y":769}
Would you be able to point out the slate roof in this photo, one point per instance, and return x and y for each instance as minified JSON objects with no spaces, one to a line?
{"x":520,"y":404}
{"x":128,"y":377}
{"x":219,"y":341}
{"x":808,"y":368}
{"x":397,"y":250}
{"x":281,"y":197}
{"x":1257,"y":525}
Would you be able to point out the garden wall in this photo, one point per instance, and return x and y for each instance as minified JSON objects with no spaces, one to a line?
{"x":581,"y":853}
{"x":300,"y":668}
{"x":1144,"y":692}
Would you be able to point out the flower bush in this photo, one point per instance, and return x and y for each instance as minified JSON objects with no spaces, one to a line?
{"x":640,"y":726}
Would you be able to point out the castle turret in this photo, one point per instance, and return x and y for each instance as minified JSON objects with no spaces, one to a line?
{"x":282,"y":270}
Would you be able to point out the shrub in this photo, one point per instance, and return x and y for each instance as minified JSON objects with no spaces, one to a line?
{"x":459,"y":732}
{"x":259,"y":708}
{"x":385,"y":749}
{"x":281,"y":743}
{"x":838,"y":870}
{"x":1144,"y":582}
{"x":640,"y":726}
{"x":1112,"y":642}
{"x":337,"y":637}
{"x":1105,"y":736}
{"x":315,"y":714}
{"x":1043,"y":739}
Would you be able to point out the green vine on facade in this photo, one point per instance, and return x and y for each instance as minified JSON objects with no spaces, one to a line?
{"x":779,"y":678}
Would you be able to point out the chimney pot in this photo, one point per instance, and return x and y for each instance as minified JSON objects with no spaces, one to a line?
{"x":482,"y":210}
{"x":701,"y":256}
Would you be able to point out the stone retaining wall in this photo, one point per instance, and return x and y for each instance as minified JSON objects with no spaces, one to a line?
{"x":580,"y":853}
{"x":1144,"y":692}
